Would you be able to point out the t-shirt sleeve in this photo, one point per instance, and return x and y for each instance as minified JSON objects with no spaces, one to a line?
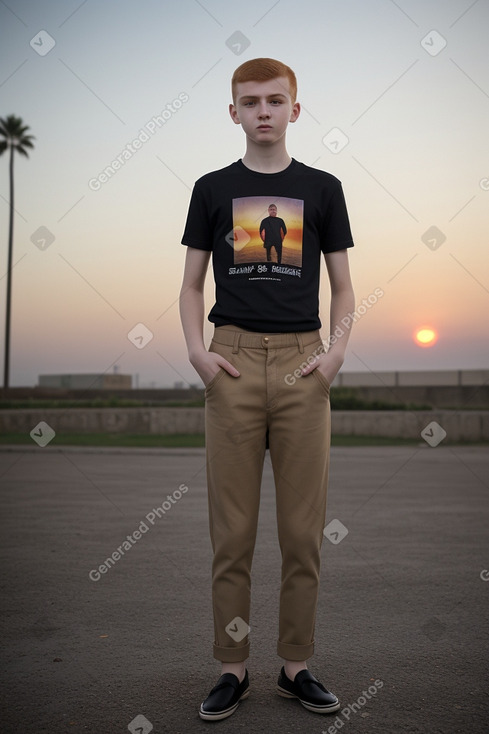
{"x":336,"y":232}
{"x":198,"y":230}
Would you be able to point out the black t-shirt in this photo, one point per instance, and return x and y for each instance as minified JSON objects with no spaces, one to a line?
{"x":225,"y":214}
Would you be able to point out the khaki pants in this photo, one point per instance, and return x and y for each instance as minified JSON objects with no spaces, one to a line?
{"x":267,"y":397}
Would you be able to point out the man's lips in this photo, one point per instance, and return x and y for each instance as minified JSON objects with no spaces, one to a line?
{"x":264,"y":127}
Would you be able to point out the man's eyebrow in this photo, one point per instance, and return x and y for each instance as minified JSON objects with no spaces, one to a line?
{"x":252,"y":97}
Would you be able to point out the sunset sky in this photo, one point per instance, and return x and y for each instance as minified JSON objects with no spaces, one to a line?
{"x":395,"y":103}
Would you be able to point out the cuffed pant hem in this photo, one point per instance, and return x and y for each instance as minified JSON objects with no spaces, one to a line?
{"x":232,"y":654}
{"x":295,"y":652}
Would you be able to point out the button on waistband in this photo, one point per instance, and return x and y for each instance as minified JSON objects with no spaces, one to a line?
{"x":266,"y":339}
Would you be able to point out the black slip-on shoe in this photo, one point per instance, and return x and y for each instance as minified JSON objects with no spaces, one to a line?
{"x":224,"y":698}
{"x":310,"y":692}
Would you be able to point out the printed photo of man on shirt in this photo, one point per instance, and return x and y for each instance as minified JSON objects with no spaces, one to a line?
{"x":271,"y":241}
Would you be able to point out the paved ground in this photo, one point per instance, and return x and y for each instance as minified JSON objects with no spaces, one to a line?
{"x":402,"y":611}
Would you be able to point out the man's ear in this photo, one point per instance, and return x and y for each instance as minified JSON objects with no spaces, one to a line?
{"x":234,"y":114}
{"x":296,"y":110}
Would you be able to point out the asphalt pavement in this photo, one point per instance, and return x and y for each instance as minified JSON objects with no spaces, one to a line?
{"x":106,"y":610}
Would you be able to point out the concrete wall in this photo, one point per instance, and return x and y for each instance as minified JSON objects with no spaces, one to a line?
{"x":106,"y":420}
{"x":459,"y":425}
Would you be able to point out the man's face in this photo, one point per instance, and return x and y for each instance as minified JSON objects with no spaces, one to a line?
{"x":272,"y":210}
{"x":264,"y":109}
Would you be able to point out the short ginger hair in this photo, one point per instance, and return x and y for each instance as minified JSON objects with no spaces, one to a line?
{"x":261,"y":70}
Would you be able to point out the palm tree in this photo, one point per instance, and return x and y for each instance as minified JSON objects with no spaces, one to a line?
{"x":13,"y":130}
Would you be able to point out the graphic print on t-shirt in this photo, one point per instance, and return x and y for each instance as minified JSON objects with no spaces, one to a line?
{"x":267,"y":236}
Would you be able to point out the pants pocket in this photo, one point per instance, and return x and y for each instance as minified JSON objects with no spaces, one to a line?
{"x":225,"y":352}
{"x":218,"y":376}
{"x":323,"y":381}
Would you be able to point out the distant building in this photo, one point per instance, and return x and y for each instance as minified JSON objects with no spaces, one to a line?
{"x":113,"y":381}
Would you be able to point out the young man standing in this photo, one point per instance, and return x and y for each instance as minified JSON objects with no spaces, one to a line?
{"x":266,"y":376}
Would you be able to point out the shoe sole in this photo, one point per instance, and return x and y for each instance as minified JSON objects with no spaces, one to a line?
{"x":223,"y":714}
{"x":309,"y":706}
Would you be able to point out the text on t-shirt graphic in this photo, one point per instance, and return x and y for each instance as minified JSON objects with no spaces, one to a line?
{"x":267,"y":237}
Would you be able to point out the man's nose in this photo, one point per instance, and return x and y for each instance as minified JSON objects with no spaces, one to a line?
{"x":263,"y":110}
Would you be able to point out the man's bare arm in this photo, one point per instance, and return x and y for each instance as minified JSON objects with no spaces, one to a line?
{"x":342,"y":303}
{"x":191,"y":303}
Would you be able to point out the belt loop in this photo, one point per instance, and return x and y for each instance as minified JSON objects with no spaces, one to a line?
{"x":236,"y":342}
{"x":299,"y":342}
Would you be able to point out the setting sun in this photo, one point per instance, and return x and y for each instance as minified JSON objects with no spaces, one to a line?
{"x":425,"y":337}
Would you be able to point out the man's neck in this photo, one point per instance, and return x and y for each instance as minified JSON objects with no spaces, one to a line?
{"x":266,"y":159}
